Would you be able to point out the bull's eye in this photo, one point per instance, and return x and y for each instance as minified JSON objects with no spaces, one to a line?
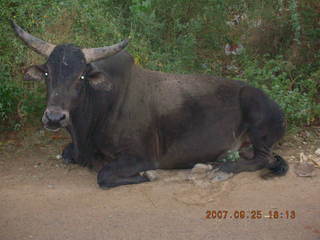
{"x":82,"y":77}
{"x":46,"y":74}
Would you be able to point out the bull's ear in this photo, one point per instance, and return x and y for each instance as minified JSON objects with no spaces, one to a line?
{"x":100,"y":81}
{"x":34,"y":72}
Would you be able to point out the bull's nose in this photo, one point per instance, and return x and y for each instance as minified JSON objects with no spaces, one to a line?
{"x":55,"y":116}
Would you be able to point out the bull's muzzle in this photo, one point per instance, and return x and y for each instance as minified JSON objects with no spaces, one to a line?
{"x":54,"y":118}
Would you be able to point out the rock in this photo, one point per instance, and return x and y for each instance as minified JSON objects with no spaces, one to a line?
{"x":58,"y":156}
{"x":303,"y":158}
{"x":50,"y":186}
{"x":152,"y":175}
{"x":201,"y":168}
{"x":317,"y":152}
{"x":199,"y":171}
{"x":292,"y":158}
{"x":304,"y":169}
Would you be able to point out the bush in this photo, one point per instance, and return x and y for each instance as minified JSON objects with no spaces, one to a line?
{"x":173,"y":36}
{"x":296,"y":93}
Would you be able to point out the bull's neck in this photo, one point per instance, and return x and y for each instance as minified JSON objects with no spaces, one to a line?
{"x":86,"y":114}
{"x":119,"y":99}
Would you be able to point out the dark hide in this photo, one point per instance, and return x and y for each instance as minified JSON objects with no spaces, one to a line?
{"x":124,"y":119}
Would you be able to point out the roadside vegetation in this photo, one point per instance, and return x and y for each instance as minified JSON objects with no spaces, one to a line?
{"x":280,"y":40}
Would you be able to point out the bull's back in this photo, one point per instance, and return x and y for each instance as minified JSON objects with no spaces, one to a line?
{"x":198,"y":118}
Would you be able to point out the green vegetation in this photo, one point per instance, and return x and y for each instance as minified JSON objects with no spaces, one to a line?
{"x":280,"y":38}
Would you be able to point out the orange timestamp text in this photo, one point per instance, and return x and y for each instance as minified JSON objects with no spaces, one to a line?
{"x":250,"y":214}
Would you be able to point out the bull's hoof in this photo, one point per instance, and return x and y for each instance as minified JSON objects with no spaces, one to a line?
{"x":67,"y":154}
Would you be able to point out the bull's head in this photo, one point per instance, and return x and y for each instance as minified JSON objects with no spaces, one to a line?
{"x":66,"y":72}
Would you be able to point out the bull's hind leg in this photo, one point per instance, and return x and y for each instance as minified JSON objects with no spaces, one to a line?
{"x":264,"y":122}
{"x":125,"y":170}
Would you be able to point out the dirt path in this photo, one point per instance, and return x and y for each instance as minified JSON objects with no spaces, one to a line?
{"x":41,"y":198}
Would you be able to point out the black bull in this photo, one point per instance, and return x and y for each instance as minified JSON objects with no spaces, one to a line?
{"x":124,"y":119}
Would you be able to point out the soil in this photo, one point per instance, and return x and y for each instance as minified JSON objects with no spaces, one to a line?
{"x":42,"y":198}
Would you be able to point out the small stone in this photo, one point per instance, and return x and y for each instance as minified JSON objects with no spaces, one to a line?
{"x":303,"y":158}
{"x":152,"y":175}
{"x":317,"y":152}
{"x":304,"y":169}
{"x":58,"y":156}
{"x":50,"y":186}
{"x":201,"y":168}
{"x":199,"y":171}
{"x":292,"y":158}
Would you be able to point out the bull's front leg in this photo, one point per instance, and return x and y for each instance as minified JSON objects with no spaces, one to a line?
{"x":68,"y":154}
{"x":72,"y":154}
{"x":124,"y":170}
{"x":79,"y":151}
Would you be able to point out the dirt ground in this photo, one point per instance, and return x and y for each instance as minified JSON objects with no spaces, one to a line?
{"x":42,"y":198}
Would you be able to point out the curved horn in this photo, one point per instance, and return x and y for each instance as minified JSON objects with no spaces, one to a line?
{"x":94,"y":54}
{"x":36,"y":44}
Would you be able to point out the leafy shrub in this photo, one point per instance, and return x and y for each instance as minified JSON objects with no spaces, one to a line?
{"x":173,"y":36}
{"x":279,"y":79}
{"x":10,"y":98}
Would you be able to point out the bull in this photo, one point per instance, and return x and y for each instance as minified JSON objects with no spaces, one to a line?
{"x":124,"y":119}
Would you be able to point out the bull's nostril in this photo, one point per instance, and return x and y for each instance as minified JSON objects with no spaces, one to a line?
{"x":54,"y":116}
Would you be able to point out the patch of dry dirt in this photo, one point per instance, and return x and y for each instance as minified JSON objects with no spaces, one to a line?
{"x":41,"y":198}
